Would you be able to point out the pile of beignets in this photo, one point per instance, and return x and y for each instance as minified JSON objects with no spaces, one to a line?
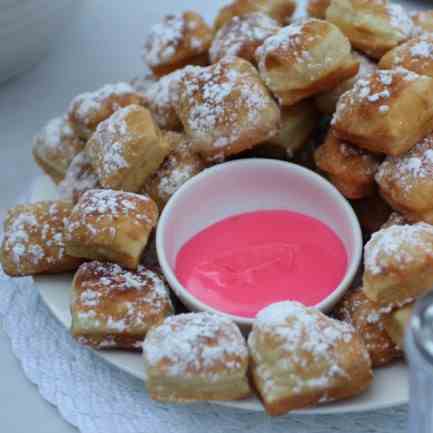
{"x":346,"y":91}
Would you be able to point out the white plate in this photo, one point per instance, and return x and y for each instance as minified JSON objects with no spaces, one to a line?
{"x":390,"y":386}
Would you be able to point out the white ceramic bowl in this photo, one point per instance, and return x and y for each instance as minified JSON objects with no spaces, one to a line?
{"x":27,"y":30}
{"x":247,"y":185}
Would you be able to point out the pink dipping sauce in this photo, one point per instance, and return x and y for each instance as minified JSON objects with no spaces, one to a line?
{"x":245,"y":262}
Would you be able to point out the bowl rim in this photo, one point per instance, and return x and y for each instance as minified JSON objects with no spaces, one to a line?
{"x":246,"y":322}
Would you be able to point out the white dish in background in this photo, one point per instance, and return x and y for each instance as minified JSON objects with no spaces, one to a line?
{"x":27,"y":30}
{"x":390,"y":386}
{"x":248,"y":185}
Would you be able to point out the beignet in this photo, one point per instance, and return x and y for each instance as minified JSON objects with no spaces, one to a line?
{"x":317,"y":8}
{"x":396,"y":324}
{"x":127,"y":148}
{"x":162,"y":97}
{"x":389,"y":112}
{"x":177,"y":41}
{"x":299,"y":357}
{"x":297,"y":124}
{"x":415,"y":55}
{"x":113,"y":308}
{"x":33,"y":241}
{"x":88,"y":109}
{"x":406,"y":182}
{"x":55,"y":146}
{"x":395,"y":219}
{"x":111,"y":226}
{"x":241,"y":36}
{"x":398,"y":264}
{"x":279,"y":10}
{"x":196,"y":356}
{"x":180,"y":165}
{"x":372,"y":26}
{"x":327,"y":102}
{"x":80,"y":177}
{"x":422,"y":21}
{"x":349,"y":168}
{"x":304,"y":59}
{"x":225,"y":108}
{"x":368,"y":319}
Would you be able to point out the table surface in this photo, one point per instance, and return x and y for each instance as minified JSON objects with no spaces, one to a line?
{"x":101,"y":44}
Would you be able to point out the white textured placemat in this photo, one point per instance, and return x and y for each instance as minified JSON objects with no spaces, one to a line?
{"x":97,"y":398}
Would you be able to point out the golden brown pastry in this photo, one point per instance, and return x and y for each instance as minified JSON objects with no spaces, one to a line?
{"x":396,"y":324}
{"x":180,"y":165}
{"x":395,"y":219}
{"x":196,"y":356}
{"x":225,"y":108}
{"x":423,"y":21}
{"x":373,"y":26}
{"x":398,"y":264}
{"x":88,"y":109}
{"x":317,"y":8}
{"x":406,"y":181}
{"x":111,"y":226}
{"x":127,"y":148}
{"x":349,"y":168}
{"x":304,"y":59}
{"x":177,"y":41}
{"x":55,"y":146}
{"x":389,"y":112}
{"x":372,"y":212}
{"x":113,"y":308}
{"x":300,"y":357}
{"x":297,"y":124}
{"x":241,"y":36}
{"x":415,"y":55}
{"x":369,"y":320}
{"x":162,"y":97}
{"x":33,"y":241}
{"x":279,"y":10}
{"x":327,"y":102}
{"x":80,"y":177}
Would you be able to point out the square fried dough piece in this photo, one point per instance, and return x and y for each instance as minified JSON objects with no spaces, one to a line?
{"x":225,"y":108}
{"x":422,"y":21}
{"x":388,"y":112}
{"x":162,"y":98}
{"x":304,"y":59}
{"x":33,"y":241}
{"x":80,"y":177}
{"x":241,"y":36}
{"x":177,"y":41}
{"x":300,"y":357}
{"x":55,"y":146}
{"x":398,"y":264}
{"x":369,"y":320}
{"x":279,"y":10}
{"x":406,"y":182}
{"x":297,"y":124}
{"x":113,"y":308}
{"x":372,"y":26}
{"x":180,"y":165}
{"x":111,"y":226}
{"x":127,"y":148}
{"x":317,"y":8}
{"x":327,"y":102}
{"x":196,"y":356}
{"x":349,"y":168}
{"x":89,"y":109}
{"x":397,"y":322}
{"x":414,"y":55}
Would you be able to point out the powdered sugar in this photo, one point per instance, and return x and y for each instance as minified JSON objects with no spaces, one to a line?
{"x":400,"y":19}
{"x":195,"y":344}
{"x":397,"y":243}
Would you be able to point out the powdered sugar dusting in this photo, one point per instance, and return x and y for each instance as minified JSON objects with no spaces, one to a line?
{"x":195,"y":343}
{"x":398,"y":243}
{"x":400,"y":19}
